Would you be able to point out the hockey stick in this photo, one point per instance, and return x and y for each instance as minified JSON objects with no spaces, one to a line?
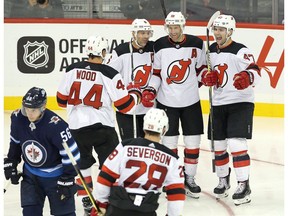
{"x":7,"y":186}
{"x":74,"y":163}
{"x":163,"y":8}
{"x":132,"y":78}
{"x":213,"y":17}
{"x":8,"y":183}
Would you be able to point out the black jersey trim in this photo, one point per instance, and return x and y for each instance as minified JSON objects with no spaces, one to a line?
{"x":106,"y":70}
{"x":189,"y":41}
{"x":233,"y":48}
{"x":123,"y":49}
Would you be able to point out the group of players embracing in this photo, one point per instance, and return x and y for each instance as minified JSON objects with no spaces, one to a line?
{"x":153,"y":86}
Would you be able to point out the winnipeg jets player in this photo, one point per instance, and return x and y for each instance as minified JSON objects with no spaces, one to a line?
{"x":142,"y":166}
{"x":178,"y":59}
{"x":134,"y":61}
{"x":36,"y":136}
{"x":234,"y":76}
{"x":88,"y":90}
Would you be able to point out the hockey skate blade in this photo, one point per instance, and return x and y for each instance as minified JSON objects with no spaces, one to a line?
{"x":245,"y":200}
{"x":192,"y":195}
{"x":221,"y":196}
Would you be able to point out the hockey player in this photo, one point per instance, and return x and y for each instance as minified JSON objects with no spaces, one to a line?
{"x":234,"y":75}
{"x":178,"y":59}
{"x":142,"y":166}
{"x":37,"y":135}
{"x":88,"y":90}
{"x":134,"y":61}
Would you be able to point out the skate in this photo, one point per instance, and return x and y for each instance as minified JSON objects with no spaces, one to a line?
{"x":242,"y":193}
{"x":87,"y":204}
{"x":221,"y":191}
{"x":191,"y":188}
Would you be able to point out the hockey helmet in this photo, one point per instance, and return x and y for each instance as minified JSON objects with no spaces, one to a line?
{"x":95,"y":45}
{"x":141,"y":25}
{"x":34,"y":98}
{"x":156,"y":120}
{"x":226,"y":21}
{"x":175,"y":18}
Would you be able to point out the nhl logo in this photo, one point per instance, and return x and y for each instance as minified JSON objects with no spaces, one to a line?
{"x":36,"y":54}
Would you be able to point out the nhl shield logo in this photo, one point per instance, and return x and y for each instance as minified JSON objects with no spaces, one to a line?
{"x":35,"y":54}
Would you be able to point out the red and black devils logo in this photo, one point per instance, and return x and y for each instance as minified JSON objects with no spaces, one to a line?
{"x":222,"y":74}
{"x":178,"y":71}
{"x":141,"y":75}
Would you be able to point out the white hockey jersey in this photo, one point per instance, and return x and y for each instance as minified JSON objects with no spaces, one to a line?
{"x":121,"y":60}
{"x":88,"y":91}
{"x":227,"y":62}
{"x":142,"y":166}
{"x":175,"y":70}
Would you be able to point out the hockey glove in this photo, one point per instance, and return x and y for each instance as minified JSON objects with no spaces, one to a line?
{"x":134,"y":88}
{"x":209,"y":78}
{"x":148,"y":96}
{"x":10,"y":170}
{"x":243,"y":80}
{"x":66,"y":188}
{"x":103,"y":208}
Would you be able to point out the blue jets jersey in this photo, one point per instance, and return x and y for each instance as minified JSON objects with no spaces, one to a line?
{"x":40,"y":144}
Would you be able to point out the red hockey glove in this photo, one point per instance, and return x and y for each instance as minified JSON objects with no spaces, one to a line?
{"x":103,"y":208}
{"x":148,"y":96}
{"x":134,"y":88}
{"x":243,"y":80}
{"x":209,"y":79}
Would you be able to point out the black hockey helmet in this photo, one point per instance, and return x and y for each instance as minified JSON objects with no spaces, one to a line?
{"x":34,"y":98}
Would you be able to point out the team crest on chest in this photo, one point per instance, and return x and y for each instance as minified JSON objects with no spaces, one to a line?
{"x":34,"y":153}
{"x":178,"y":71}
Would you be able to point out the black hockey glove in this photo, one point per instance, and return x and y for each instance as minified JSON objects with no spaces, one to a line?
{"x":134,"y":88}
{"x":66,"y":187}
{"x":10,"y":170}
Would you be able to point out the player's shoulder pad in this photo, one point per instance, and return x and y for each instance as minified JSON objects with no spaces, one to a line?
{"x":106,"y":70}
{"x":149,"y":46}
{"x":122,"y":48}
{"x":161,"y":43}
{"x":79,"y":65}
{"x":147,"y":143}
{"x":53,"y":119}
{"x":233,"y":48}
{"x":213,"y":47}
{"x":17,"y":114}
{"x":193,"y":41}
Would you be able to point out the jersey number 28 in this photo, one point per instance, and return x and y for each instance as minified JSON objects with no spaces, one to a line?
{"x":142,"y":169}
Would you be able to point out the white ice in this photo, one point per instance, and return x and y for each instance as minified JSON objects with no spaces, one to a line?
{"x":266,"y":150}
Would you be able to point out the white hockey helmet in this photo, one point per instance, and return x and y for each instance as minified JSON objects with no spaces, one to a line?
{"x":141,"y":25}
{"x":95,"y":45}
{"x":156,"y":120}
{"x":175,"y":18}
{"x":226,"y":21}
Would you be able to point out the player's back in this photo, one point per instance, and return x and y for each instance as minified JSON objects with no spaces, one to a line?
{"x":91,"y":89}
{"x":146,"y":166}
